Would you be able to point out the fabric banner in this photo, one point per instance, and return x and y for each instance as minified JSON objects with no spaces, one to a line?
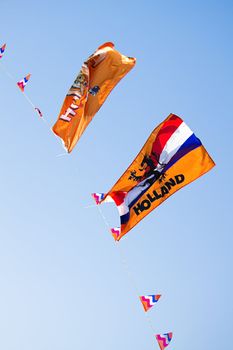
{"x":171,"y":158}
{"x":96,"y":79}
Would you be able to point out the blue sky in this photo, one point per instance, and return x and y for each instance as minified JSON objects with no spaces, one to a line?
{"x":63,"y":284}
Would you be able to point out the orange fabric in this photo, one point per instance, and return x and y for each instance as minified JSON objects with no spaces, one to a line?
{"x":188,"y":168}
{"x":202,"y":164}
{"x":96,"y":79}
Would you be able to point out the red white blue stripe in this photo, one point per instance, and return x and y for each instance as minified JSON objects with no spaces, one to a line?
{"x":98,"y":197}
{"x":22,"y":83}
{"x":2,"y":49}
{"x":148,"y":301}
{"x":164,"y":339}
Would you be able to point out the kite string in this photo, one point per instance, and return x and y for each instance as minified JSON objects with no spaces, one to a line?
{"x":122,"y":257}
{"x":32,"y":104}
{"x":24,"y":94}
{"x":126,"y":267}
{"x":13,"y":79}
{"x":133,"y":282}
{"x":7,"y":72}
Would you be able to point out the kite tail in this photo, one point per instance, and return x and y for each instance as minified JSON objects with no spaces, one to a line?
{"x":13,"y":79}
{"x":10,"y":76}
{"x":125,"y":264}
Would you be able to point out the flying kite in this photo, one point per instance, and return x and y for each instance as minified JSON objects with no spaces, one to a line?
{"x":98,"y":76}
{"x":164,"y":339}
{"x":22,"y":83}
{"x":149,"y":300}
{"x":2,"y":49}
{"x":171,"y":158}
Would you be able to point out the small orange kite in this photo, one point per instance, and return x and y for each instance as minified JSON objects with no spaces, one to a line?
{"x":96,"y":79}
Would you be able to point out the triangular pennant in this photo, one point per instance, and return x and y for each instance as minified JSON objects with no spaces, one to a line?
{"x":164,"y":339}
{"x":22,"y":83}
{"x":116,"y":231}
{"x":98,"y":197}
{"x":149,"y":300}
{"x":2,"y":49}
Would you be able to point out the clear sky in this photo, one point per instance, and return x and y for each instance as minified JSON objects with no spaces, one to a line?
{"x":63,"y":285}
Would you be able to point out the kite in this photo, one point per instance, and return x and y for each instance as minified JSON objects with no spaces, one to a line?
{"x":98,"y":76}
{"x":2,"y":49}
{"x":149,"y":300}
{"x":22,"y":83}
{"x":171,"y":158}
{"x":164,"y":339}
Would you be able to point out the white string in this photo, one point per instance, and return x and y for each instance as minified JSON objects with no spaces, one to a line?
{"x":127,"y":269}
{"x":62,"y":154}
{"x":104,"y":218}
{"x":6,"y":72}
{"x":31,"y":103}
{"x":123,"y":260}
{"x":90,"y":206}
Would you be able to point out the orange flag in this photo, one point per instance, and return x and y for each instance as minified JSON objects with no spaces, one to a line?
{"x":171,"y":158}
{"x":96,"y":79}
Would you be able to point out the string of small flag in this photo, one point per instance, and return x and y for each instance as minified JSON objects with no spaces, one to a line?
{"x":21,"y":83}
{"x":147,"y":301}
{"x":171,"y":158}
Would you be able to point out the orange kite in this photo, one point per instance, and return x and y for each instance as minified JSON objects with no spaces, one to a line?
{"x":96,"y":79}
{"x":171,"y":158}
